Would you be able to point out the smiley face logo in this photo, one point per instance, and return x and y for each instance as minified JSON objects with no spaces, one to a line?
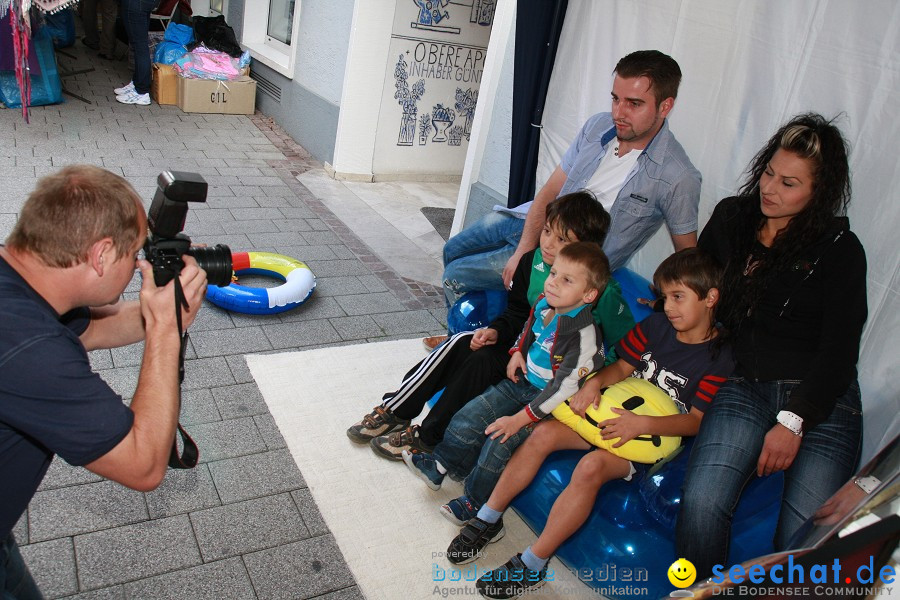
{"x":682,"y":573}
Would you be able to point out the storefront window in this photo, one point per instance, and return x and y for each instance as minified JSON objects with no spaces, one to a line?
{"x":281,"y":19}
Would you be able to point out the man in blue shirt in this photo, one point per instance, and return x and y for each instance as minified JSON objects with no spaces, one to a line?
{"x":62,"y":273}
{"x":628,"y":156}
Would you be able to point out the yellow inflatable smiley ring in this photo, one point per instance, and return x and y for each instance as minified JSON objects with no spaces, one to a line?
{"x":640,"y":397}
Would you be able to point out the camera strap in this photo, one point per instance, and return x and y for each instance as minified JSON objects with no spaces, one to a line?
{"x":190,"y":454}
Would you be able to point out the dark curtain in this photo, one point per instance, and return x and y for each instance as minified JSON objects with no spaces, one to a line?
{"x":538,"y":25}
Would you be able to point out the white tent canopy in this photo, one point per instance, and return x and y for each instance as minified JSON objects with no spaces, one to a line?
{"x":748,"y":66}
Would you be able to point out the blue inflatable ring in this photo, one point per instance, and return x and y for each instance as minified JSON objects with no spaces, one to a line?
{"x":299,"y":283}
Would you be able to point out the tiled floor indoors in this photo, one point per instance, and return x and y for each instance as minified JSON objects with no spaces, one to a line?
{"x":242,"y":524}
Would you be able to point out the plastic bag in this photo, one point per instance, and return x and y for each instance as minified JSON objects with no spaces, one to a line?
{"x":61,"y":26}
{"x":216,"y":34}
{"x":46,"y":88}
{"x":174,"y":44}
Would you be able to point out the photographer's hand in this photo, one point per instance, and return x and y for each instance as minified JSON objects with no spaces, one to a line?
{"x":193,"y":282}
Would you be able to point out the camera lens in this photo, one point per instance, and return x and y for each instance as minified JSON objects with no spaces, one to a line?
{"x":216,"y":262}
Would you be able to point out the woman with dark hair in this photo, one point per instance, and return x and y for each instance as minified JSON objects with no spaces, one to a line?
{"x":794,"y":302}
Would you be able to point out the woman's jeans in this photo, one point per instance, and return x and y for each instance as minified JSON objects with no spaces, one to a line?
{"x":474,"y":258}
{"x":465,"y":447}
{"x":136,"y":18}
{"x":16,"y":582}
{"x":725,"y":456}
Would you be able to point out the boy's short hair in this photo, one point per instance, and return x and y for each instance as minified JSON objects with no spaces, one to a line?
{"x":661,"y":69}
{"x":580,"y":213}
{"x":70,"y":210}
{"x":691,"y":267}
{"x":590,"y":256}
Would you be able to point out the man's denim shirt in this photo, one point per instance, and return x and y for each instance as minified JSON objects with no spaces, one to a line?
{"x":663,"y":185}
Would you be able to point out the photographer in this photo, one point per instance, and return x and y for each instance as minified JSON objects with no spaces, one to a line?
{"x":73,"y":247}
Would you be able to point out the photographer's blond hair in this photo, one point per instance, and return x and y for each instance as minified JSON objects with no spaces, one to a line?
{"x":72,"y":209}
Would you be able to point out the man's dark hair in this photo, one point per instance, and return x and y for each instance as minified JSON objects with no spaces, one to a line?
{"x":661,"y":69}
{"x":581,"y":214}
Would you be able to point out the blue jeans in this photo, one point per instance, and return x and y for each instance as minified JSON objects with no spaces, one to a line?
{"x":16,"y":582}
{"x":474,"y":258}
{"x":136,"y":18}
{"x":464,"y":445}
{"x":492,"y":459}
{"x":725,"y":456}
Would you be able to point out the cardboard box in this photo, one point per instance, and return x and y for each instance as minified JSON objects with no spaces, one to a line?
{"x":164,"y":87}
{"x":236,"y":97}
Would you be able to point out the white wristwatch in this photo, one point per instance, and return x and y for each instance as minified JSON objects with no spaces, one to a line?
{"x":867,"y":484}
{"x":793,"y":422}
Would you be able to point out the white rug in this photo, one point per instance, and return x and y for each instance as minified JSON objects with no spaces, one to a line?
{"x":314,"y":397}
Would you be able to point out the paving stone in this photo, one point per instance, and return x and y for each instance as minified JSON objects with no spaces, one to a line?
{"x":206,"y":372}
{"x":82,"y":508}
{"x":356,"y":328}
{"x":296,"y":212}
{"x":116,"y":592}
{"x":123,"y":381}
{"x":372,"y":283}
{"x":311,"y":514}
{"x":415,"y":321}
{"x":305,"y":253}
{"x":211,"y":318}
{"x":62,"y":474}
{"x":20,"y":529}
{"x":273,"y":202}
{"x":369,"y":304}
{"x":336,"y":268}
{"x":247,"y":214}
{"x":239,"y":369}
{"x":221,"y":580}
{"x":304,"y":569}
{"x":52,"y":565}
{"x":100,"y":359}
{"x":317,"y":307}
{"x":269,"y":431}
{"x":350,"y":593}
{"x":242,"y":400}
{"x":256,"y":476}
{"x":227,"y":439}
{"x":248,"y":526}
{"x":270,"y":240}
{"x":320,"y":237}
{"x":182,"y":491}
{"x":261,"y":226}
{"x":301,"y":333}
{"x":128,"y":356}
{"x":134,"y":552}
{"x":342,"y":252}
{"x":198,"y":406}
{"x":229,"y":341}
{"x":340,"y":286}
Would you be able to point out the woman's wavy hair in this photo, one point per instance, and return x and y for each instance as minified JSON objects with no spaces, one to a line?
{"x":812,"y":137}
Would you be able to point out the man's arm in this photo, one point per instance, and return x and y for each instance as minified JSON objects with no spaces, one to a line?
{"x":115,"y":325}
{"x":534,"y":221}
{"x":139,"y":461}
{"x":687,"y":240}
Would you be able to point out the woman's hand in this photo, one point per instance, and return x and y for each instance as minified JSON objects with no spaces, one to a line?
{"x":516,"y":363}
{"x":507,"y":426}
{"x":779,"y":450}
{"x":839,"y":505}
{"x":626,"y":427}
{"x":483,"y":337}
{"x":587,"y":395}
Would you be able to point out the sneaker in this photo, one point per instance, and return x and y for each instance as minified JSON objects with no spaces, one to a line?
{"x":424,"y":467}
{"x":459,"y":511}
{"x":472,"y":539}
{"x":380,"y":421}
{"x":511,"y":580}
{"x":124,"y":89}
{"x":434,"y":341}
{"x":391,"y":446}
{"x":133,"y":97}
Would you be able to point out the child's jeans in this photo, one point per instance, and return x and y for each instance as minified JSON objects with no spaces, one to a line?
{"x":464,"y":440}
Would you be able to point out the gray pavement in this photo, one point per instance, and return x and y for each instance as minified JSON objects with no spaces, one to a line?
{"x":243,"y":523}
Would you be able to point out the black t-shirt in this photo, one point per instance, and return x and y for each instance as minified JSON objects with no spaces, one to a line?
{"x":51,"y":402}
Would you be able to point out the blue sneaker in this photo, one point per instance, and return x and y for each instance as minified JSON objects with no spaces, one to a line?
{"x":424,"y":467}
{"x":459,"y":511}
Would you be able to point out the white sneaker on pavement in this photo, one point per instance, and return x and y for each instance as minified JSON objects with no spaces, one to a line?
{"x":124,"y":89}
{"x":133,"y":97}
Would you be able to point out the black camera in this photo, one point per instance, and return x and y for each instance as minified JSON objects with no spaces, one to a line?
{"x":166,"y":244}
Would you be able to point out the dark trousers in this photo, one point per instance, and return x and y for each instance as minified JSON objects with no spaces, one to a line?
{"x":455,"y":368}
{"x":136,"y":18}
{"x":16,"y":582}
